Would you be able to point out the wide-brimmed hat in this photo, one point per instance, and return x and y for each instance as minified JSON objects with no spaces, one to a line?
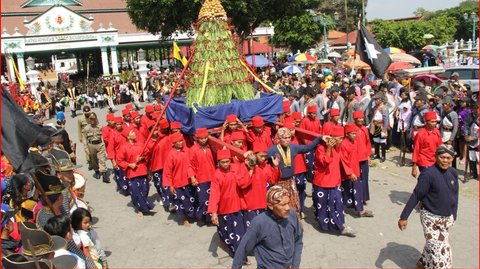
{"x":7,"y":214}
{"x":50,"y":184}
{"x":19,"y":261}
{"x":448,"y":100}
{"x":39,"y":241}
{"x":61,"y":160}
{"x":65,"y":262}
{"x":38,"y":160}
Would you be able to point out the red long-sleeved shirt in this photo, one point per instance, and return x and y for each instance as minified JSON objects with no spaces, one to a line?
{"x":201,"y":165}
{"x":349,"y":158}
{"x":299,"y":160}
{"x":138,"y":132}
{"x":227,"y":137}
{"x":363,"y":143}
{"x":224,"y":192}
{"x":425,"y":144}
{"x":264,"y":137}
{"x":175,"y":170}
{"x":328,"y":127}
{"x":145,"y":121}
{"x":327,"y":167}
{"x":115,"y":142}
{"x":106,"y":131}
{"x":128,"y":154}
{"x":253,"y":190}
{"x":159,"y":149}
{"x":311,"y":125}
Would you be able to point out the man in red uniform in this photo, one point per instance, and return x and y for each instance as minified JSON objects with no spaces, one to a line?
{"x":352,"y":187}
{"x":126,"y":118}
{"x":297,"y":118}
{"x":237,"y":139}
{"x":286,"y":111}
{"x":327,"y":196}
{"x":200,"y":172}
{"x":108,"y":128}
{"x":136,"y":127}
{"x":364,"y":152}
{"x":175,"y":175}
{"x":148,"y":117}
{"x":310,"y":122}
{"x":253,"y":189}
{"x":159,"y":146}
{"x":131,"y":160}
{"x":224,"y":203}
{"x":426,"y":143}
{"x":334,"y":117}
{"x":259,"y":133}
{"x":231,"y":125}
{"x":114,"y":143}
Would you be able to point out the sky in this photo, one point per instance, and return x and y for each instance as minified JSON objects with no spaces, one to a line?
{"x":394,"y":9}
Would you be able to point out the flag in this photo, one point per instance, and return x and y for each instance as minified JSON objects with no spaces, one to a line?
{"x":177,"y":54}
{"x":18,"y":134}
{"x":371,"y":52}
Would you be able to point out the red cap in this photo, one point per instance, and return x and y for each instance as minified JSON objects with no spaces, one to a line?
{"x":110,"y":116}
{"x":358,"y":114}
{"x":149,"y":109}
{"x":231,"y":118}
{"x":259,"y":147}
{"x":129,"y":106}
{"x":257,"y":121}
{"x":223,"y":154}
{"x":135,"y":114}
{"x":237,"y":136}
{"x":157,"y":107}
{"x":175,"y":125}
{"x":430,"y":115}
{"x":176,"y":137}
{"x":155,"y":115}
{"x":118,"y":120}
{"x":334,"y":112}
{"x":289,"y":124}
{"x":351,"y":127}
{"x":337,"y":131}
{"x":286,"y":106}
{"x":312,"y":109}
{"x":164,"y":124}
{"x":126,"y":131}
{"x":125,"y":111}
{"x":201,"y":133}
{"x":297,"y":115}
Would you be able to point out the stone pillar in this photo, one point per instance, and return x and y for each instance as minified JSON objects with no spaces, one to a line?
{"x":21,"y":67}
{"x":469,"y":44}
{"x":114,"y":60}
{"x":105,"y":67}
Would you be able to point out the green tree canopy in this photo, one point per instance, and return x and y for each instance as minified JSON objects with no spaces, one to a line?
{"x":168,"y":16}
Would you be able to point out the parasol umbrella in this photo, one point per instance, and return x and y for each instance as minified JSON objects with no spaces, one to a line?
{"x":334,"y":54}
{"x":403,"y":57}
{"x":428,"y":36}
{"x":393,"y":50}
{"x":324,"y":61}
{"x":429,"y":79}
{"x":260,"y":61}
{"x":303,"y":57}
{"x":399,"y":66}
{"x":356,"y":63}
{"x":292,"y":58}
{"x":293,"y":69}
{"x":431,"y":47}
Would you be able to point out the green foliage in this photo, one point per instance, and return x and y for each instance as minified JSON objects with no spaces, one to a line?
{"x":227,"y":78}
{"x":347,"y":20}
{"x":297,"y":32}
{"x":408,"y":35}
{"x":167,"y":16}
{"x":126,"y":75}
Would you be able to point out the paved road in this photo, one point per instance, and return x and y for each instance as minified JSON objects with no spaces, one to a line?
{"x":160,"y":242}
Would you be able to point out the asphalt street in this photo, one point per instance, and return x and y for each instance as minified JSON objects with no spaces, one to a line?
{"x":159,"y":241}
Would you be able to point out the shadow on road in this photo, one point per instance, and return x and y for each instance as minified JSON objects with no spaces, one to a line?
{"x":399,"y":197}
{"x":403,"y":256}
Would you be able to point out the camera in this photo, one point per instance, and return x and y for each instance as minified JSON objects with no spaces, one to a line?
{"x":252,"y":160}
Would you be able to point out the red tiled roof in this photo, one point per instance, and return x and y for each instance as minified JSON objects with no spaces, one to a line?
{"x":257,"y":47}
{"x":352,"y":38}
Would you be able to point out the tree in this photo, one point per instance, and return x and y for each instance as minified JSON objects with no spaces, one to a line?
{"x":168,"y":16}
{"x":297,"y":32}
{"x":346,"y":22}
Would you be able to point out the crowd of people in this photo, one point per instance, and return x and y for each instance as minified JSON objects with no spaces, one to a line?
{"x":355,"y":120}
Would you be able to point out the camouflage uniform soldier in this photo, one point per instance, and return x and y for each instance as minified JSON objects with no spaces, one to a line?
{"x":92,"y":135}
{"x":82,"y":122}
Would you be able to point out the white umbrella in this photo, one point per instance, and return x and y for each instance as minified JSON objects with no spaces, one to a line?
{"x":334,"y":54}
{"x":293,"y":69}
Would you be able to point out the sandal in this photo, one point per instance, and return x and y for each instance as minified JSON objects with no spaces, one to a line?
{"x":366,"y":213}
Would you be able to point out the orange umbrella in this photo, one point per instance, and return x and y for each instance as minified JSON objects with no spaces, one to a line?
{"x":399,"y":66}
{"x":356,"y":63}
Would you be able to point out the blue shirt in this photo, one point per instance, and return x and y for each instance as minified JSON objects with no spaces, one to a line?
{"x":278,"y":243}
{"x":437,"y":189}
{"x":287,"y":172}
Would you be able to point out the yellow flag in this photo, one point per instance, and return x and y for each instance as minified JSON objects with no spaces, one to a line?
{"x":177,"y":55}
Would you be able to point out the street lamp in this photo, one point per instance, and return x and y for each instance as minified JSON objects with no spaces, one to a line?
{"x":474,"y":18}
{"x":319,"y":17}
{"x":30,"y":63}
{"x":141,"y":55}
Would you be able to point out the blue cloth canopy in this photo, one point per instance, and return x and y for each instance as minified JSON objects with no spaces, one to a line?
{"x":269,"y":106}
